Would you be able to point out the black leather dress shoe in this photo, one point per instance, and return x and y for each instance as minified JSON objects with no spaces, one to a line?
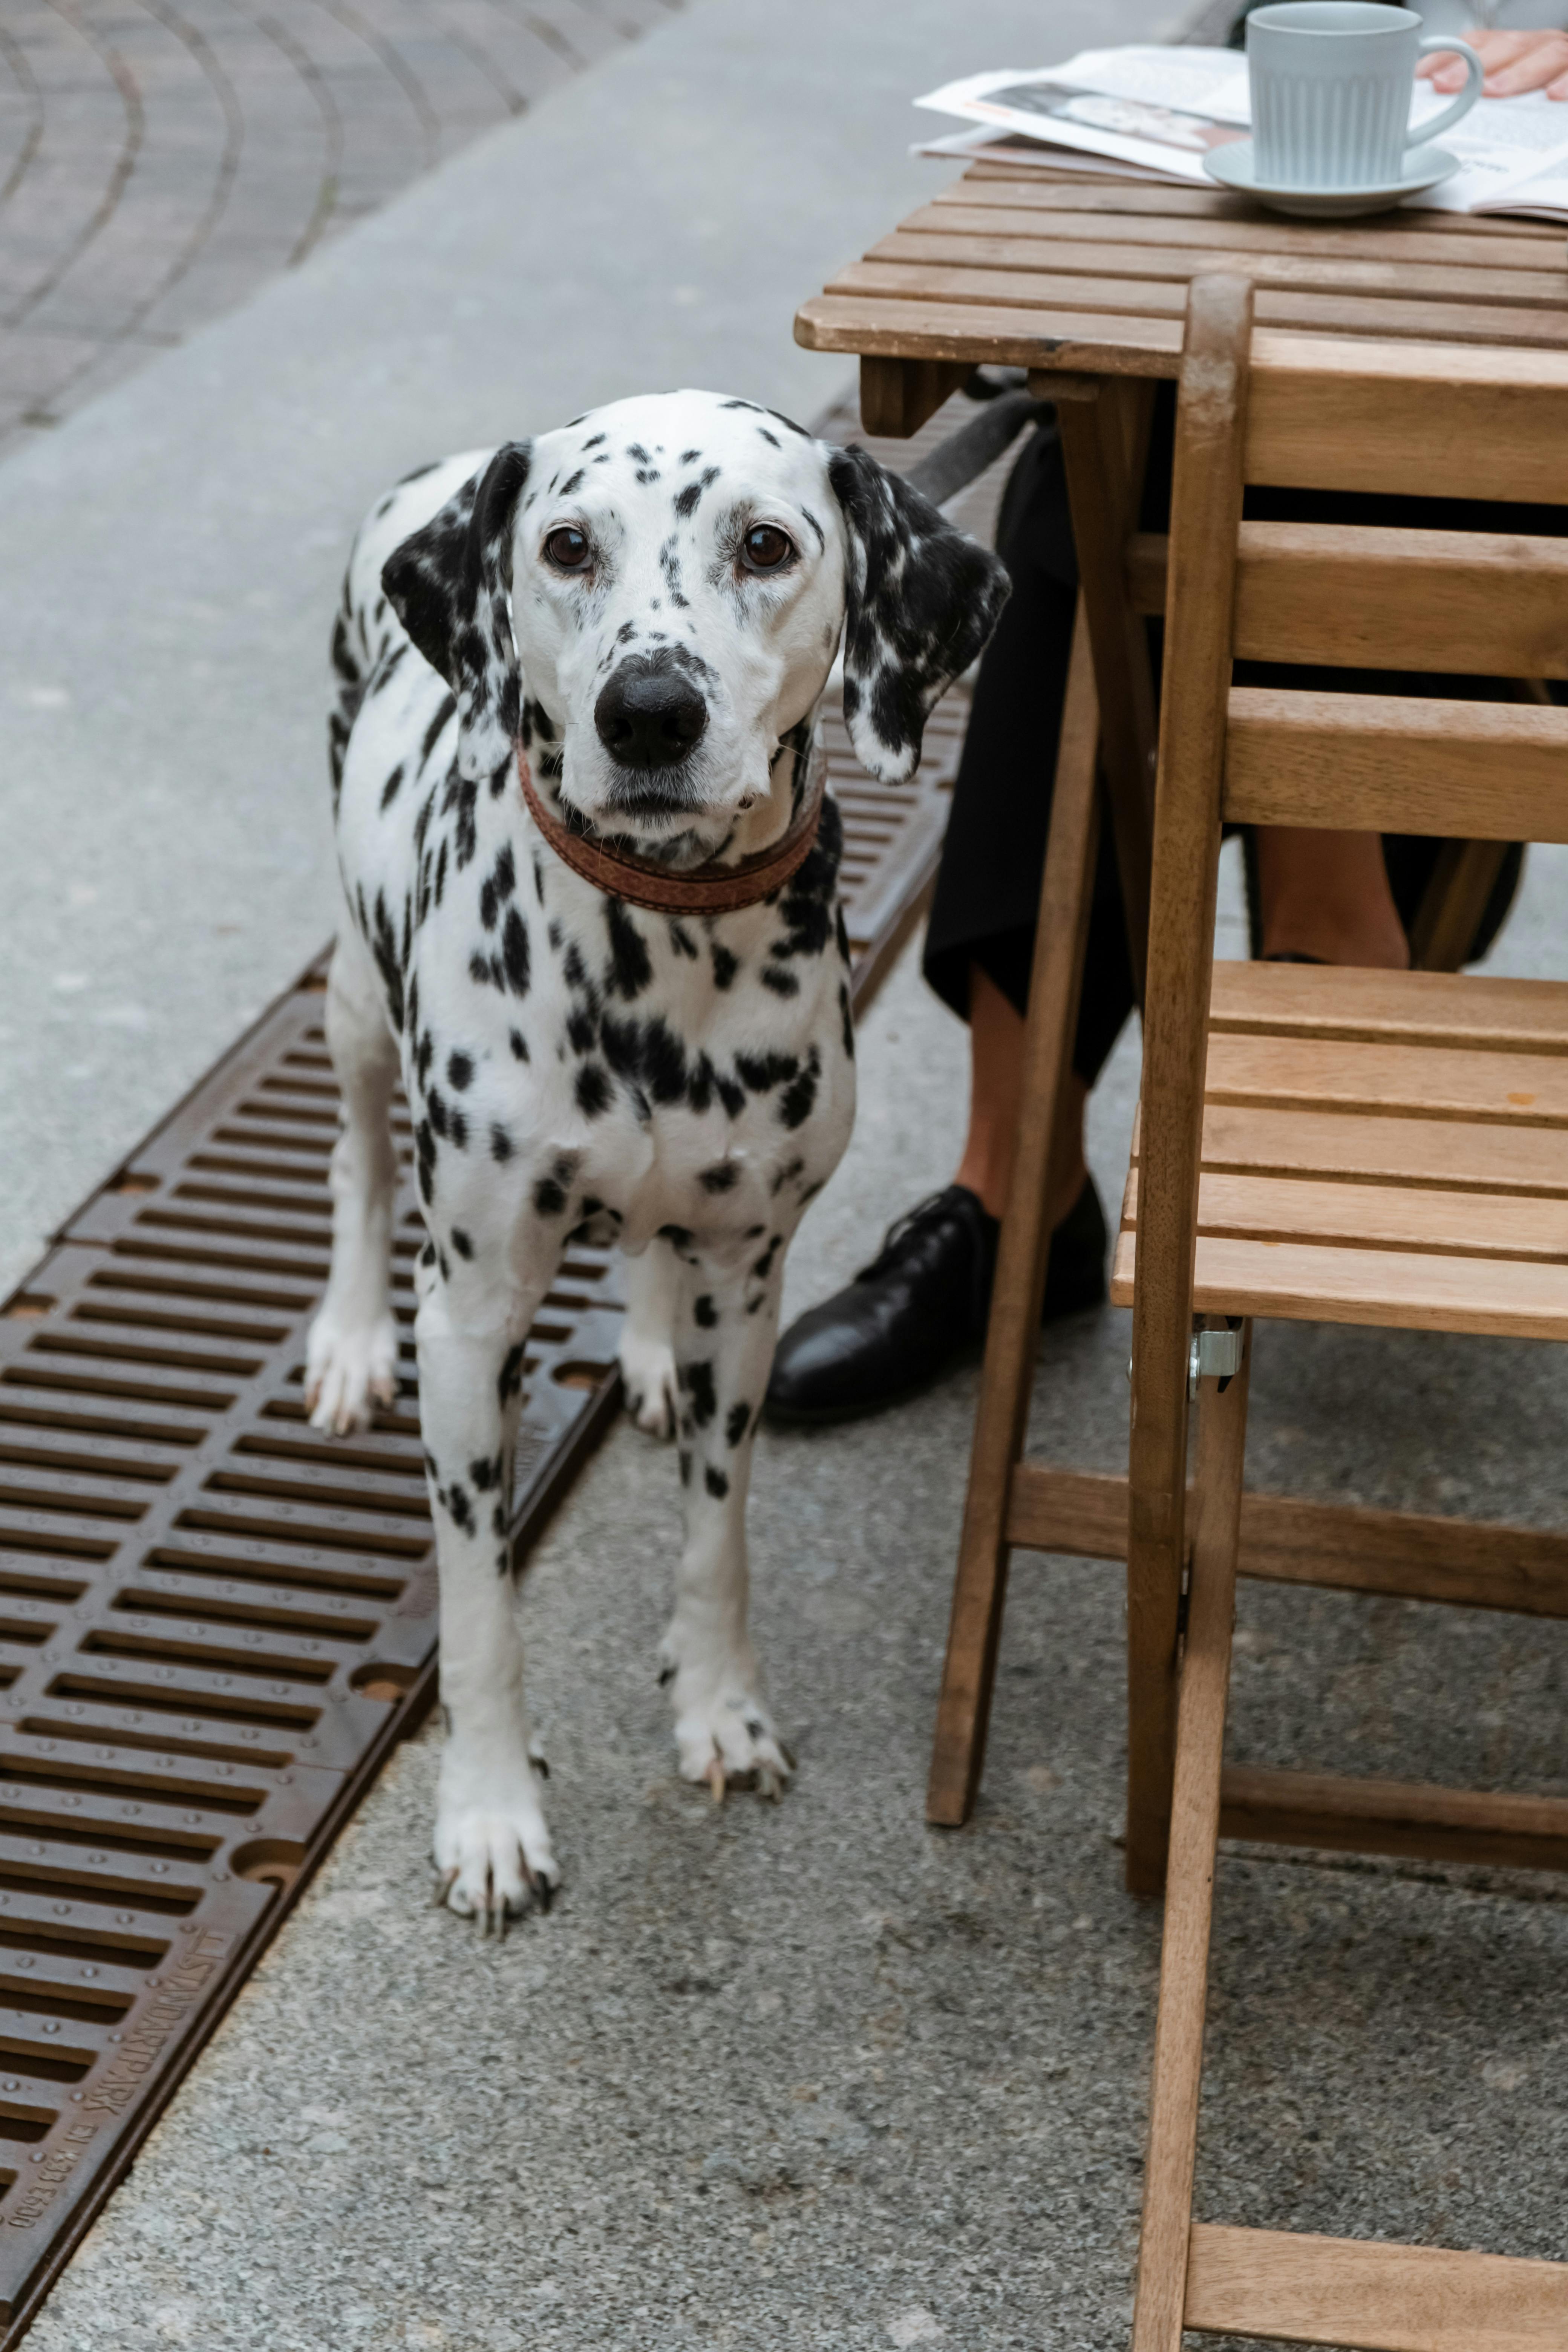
{"x":920,"y":1305}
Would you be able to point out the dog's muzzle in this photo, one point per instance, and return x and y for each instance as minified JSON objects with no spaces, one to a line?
{"x":649,"y":716}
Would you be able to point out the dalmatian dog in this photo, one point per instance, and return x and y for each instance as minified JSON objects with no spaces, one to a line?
{"x":640,"y":611}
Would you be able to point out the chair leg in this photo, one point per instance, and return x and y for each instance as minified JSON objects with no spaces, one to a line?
{"x":1205,"y":517}
{"x":1105,"y":440}
{"x":980,"y":1586}
{"x":1189,"y":1892}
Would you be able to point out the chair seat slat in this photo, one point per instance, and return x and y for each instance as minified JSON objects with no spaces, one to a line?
{"x":1436,"y":1154}
{"x":1410,"y":1291}
{"x":1428,"y":1082}
{"x":1391,"y":763}
{"x":1428,"y":1008}
{"x":1496,"y":1225}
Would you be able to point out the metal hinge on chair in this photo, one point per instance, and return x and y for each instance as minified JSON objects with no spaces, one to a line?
{"x":1215,"y":1356}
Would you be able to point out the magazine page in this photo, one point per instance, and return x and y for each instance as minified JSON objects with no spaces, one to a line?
{"x":1160,"y":107}
{"x":1514,"y":157}
{"x":1163,"y":109}
{"x":1011,"y":147}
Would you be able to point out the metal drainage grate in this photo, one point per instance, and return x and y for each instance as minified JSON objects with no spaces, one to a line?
{"x":213,"y":1624}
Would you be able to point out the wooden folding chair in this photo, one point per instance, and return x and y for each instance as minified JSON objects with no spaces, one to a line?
{"x":1332,"y":1146}
{"x":1014,"y":1502}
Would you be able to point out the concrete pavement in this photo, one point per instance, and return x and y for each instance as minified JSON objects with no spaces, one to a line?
{"x":813,"y":2077}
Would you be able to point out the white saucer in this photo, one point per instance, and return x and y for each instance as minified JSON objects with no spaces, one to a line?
{"x":1425,"y":167}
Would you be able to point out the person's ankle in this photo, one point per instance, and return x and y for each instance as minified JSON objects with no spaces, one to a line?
{"x":1062,"y":1194}
{"x":1373,"y":947}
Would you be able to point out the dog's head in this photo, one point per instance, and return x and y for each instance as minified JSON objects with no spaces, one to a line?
{"x":653,"y":597}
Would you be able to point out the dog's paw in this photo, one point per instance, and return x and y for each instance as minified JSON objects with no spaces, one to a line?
{"x":492,"y":1848}
{"x":648,"y":1376}
{"x":725,"y":1732}
{"x":348,"y":1372}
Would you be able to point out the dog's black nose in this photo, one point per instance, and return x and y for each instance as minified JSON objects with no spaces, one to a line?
{"x":649,"y":716}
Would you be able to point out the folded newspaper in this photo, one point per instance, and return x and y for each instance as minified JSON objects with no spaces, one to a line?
{"x":1145,"y":112}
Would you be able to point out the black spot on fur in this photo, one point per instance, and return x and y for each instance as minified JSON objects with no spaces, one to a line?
{"x":514,"y":952}
{"x":697,"y":1380}
{"x":509,"y":1382}
{"x":434,"y":732}
{"x":721,"y":1177}
{"x":593,"y":1090}
{"x":631,"y":967}
{"x":798,"y":1099}
{"x":716,"y":1481}
{"x":460,"y":1071}
{"x":549,"y":1200}
{"x":844,"y":1017}
{"x":735,"y":1422}
{"x":763,"y":1072}
{"x":782,"y":983}
{"x":649,"y":1053}
{"x":462,"y":1242}
{"x":500,"y":1146}
{"x":725,"y":965}
{"x":518,"y":1044}
{"x":704,"y":1311}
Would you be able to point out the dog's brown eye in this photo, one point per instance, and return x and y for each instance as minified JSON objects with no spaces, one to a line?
{"x":766,"y":548}
{"x":567,"y":549}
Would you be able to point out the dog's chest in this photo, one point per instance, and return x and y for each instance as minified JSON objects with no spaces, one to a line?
{"x":566,"y":1055}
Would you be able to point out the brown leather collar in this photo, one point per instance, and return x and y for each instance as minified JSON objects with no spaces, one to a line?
{"x":710,"y":890}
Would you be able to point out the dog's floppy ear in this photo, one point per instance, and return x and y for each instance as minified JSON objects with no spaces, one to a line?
{"x":448,"y":585}
{"x":921,"y":600}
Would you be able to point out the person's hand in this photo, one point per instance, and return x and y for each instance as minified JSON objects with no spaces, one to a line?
{"x":1515,"y":62}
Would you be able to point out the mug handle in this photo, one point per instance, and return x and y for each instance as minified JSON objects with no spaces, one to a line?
{"x":1468,"y":96}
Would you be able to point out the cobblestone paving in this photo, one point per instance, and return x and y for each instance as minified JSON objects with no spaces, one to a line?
{"x":159,"y":161}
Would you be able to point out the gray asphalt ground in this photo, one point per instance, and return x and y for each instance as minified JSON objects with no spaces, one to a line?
{"x":814,"y":2076}
{"x":158,"y":163}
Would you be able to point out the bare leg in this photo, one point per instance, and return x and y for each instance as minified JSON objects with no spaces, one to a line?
{"x":1326,"y":895}
{"x":352,"y":1355}
{"x":997,"y":1075}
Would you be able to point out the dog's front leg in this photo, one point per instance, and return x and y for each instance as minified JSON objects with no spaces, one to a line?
{"x":647,"y":1360}
{"x":491,"y":1844}
{"x":725,"y":1327}
{"x":352,"y":1355}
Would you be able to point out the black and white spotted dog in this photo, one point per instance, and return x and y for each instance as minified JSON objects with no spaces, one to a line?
{"x":648,"y":602}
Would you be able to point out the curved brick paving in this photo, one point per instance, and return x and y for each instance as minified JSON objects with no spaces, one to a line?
{"x":160,"y":161}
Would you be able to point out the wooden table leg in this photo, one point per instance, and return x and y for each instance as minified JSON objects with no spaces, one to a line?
{"x":1105,"y":439}
{"x":1189,"y":1893}
{"x":897,"y":395}
{"x":1013,"y":1334}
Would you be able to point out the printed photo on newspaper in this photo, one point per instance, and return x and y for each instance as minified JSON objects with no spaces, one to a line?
{"x":1145,"y":112}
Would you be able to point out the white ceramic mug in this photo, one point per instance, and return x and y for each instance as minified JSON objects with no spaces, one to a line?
{"x":1332,"y":82}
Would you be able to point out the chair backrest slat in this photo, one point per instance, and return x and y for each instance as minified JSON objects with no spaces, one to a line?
{"x":1397,"y":764}
{"x":1465,"y":603}
{"x":1410,"y":421}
